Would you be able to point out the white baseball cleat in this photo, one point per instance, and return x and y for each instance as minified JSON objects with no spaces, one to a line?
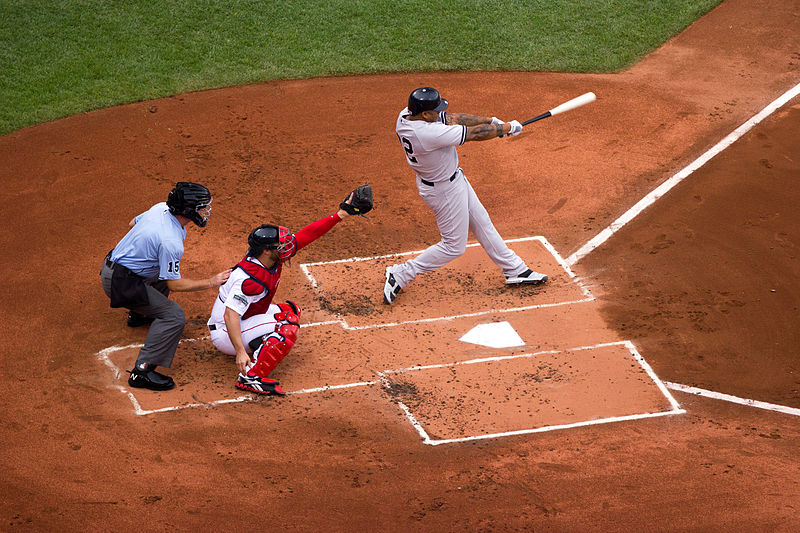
{"x":529,"y":277}
{"x":391,"y":288}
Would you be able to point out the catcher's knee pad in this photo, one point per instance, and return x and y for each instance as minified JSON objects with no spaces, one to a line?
{"x":289,"y":331}
{"x":289,"y":312}
{"x":269,"y":354}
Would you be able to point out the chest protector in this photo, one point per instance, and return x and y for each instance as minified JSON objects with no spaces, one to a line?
{"x":259,"y":280}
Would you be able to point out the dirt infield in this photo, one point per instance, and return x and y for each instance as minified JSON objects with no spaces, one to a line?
{"x":575,"y":426}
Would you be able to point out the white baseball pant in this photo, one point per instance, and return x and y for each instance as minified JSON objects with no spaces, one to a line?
{"x":458,"y":210}
{"x":253,"y":327}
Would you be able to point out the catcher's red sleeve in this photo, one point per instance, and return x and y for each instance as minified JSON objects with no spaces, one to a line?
{"x":315,"y":230}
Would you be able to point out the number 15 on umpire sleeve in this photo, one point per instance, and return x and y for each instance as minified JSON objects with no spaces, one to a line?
{"x":409,"y":149}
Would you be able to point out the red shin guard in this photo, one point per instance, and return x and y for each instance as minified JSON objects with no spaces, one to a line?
{"x":269,"y":354}
{"x":276,"y":345}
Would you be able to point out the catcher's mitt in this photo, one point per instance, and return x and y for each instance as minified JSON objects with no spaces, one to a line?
{"x":361,"y":202}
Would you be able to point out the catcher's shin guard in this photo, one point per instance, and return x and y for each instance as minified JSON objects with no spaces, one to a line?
{"x":277,"y":344}
{"x":269,"y":354}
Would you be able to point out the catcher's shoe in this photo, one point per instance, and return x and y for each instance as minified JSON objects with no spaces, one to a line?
{"x":259,"y":385}
{"x":144,"y":376}
{"x":529,"y":277}
{"x":391,"y":288}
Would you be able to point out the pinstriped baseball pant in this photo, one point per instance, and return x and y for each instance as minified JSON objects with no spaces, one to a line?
{"x":458,"y":211}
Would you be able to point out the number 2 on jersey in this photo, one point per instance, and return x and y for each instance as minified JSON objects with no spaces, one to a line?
{"x":409,"y":149}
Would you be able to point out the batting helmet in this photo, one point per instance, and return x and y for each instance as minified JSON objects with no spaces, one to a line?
{"x":190,"y":200}
{"x":271,"y":237}
{"x":424,"y":99}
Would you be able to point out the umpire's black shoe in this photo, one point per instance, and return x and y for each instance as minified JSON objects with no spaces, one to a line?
{"x":136,"y":320}
{"x":145,"y":377}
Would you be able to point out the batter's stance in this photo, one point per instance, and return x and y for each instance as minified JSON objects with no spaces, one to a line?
{"x":244,"y":320}
{"x":429,"y":137}
{"x":145,"y":266}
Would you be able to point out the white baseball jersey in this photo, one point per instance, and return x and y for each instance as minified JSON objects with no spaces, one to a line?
{"x":431,"y":151}
{"x":232,"y":295}
{"x":430,"y":146}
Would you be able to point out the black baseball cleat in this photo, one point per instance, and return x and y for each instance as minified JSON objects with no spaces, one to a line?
{"x":144,"y":376}
{"x":264,"y":386}
{"x":136,"y":320}
{"x":529,"y":277}
{"x":390,"y":288}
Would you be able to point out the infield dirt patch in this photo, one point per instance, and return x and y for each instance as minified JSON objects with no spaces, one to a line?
{"x":691,"y":287}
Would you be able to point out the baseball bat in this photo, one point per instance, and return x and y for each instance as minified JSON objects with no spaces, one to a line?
{"x":566,"y":106}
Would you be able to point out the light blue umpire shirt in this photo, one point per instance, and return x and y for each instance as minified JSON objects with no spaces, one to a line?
{"x":153,"y":246}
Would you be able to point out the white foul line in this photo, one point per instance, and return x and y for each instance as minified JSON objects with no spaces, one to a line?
{"x":734,"y":399}
{"x":426,"y":439}
{"x":662,"y":189}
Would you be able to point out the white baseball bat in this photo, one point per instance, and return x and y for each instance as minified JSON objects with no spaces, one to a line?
{"x":566,"y":106}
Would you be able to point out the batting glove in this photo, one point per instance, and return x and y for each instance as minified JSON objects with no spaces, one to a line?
{"x":496,"y":120}
{"x":516,"y":128}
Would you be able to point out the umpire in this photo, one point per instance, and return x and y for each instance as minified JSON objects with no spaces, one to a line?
{"x":144,"y":267}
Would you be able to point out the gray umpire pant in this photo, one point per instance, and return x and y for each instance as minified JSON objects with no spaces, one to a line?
{"x":165,"y":331}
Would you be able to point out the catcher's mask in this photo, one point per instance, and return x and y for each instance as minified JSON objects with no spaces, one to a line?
{"x":426,"y":99}
{"x":192,"y":201}
{"x":271,"y":237}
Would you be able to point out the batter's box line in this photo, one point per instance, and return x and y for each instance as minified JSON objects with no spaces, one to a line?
{"x":588,"y":297}
{"x":549,"y":247}
{"x":103,"y":355}
{"x":426,"y":439}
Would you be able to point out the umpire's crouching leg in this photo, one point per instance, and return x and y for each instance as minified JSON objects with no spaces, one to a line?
{"x":165,"y":332}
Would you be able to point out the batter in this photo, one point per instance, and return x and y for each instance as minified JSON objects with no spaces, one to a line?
{"x":429,"y":137}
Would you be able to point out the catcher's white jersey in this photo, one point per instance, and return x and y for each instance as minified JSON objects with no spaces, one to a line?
{"x":430,"y":146}
{"x":231,"y":295}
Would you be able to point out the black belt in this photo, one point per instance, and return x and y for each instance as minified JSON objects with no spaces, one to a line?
{"x":212,"y":327}
{"x":431,"y":184}
{"x":109,"y":262}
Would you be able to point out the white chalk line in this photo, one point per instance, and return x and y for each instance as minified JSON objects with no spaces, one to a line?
{"x":306,"y":267}
{"x":675,"y":408}
{"x":734,"y":399}
{"x":662,"y":189}
{"x":103,"y":355}
{"x":427,"y":440}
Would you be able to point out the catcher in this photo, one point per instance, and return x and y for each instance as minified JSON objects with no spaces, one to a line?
{"x":244,"y":320}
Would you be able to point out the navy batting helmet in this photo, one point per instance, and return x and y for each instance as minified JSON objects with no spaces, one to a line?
{"x":425,"y":99}
{"x":192,"y":201}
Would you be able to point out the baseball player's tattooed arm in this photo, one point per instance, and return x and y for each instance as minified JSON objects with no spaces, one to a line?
{"x":478,"y":128}
{"x":465,"y":119}
{"x":481,"y":132}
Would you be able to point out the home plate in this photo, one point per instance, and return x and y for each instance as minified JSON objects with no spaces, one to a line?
{"x":494,"y":335}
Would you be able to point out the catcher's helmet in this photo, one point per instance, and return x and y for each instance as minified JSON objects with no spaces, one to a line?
{"x":271,"y":237}
{"x":424,"y":99}
{"x":192,"y":201}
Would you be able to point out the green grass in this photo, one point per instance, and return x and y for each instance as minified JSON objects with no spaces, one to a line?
{"x":58,"y":58}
